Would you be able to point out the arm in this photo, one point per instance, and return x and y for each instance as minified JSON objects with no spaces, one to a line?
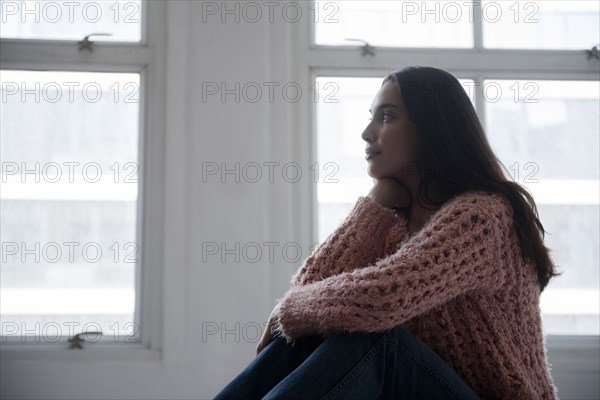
{"x":360,"y":240}
{"x":461,"y":249}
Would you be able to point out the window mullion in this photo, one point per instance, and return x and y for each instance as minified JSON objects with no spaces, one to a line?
{"x":477,"y":26}
{"x":479,"y":99}
{"x":520,"y":62}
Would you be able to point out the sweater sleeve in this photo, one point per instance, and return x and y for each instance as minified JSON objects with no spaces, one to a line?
{"x":362,"y":238}
{"x":459,"y":250}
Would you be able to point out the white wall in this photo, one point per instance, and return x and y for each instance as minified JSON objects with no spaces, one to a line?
{"x":195,"y":293}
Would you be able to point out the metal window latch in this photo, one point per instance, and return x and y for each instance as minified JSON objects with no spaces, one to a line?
{"x":86,"y":43}
{"x":594,"y":52}
{"x":367,"y":49}
{"x":77,"y":340}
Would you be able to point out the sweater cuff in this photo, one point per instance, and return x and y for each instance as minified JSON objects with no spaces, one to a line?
{"x":289,"y":324}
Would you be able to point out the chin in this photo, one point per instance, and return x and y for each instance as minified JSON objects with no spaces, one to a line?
{"x":376,"y":173}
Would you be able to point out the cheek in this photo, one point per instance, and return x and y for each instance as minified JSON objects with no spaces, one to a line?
{"x":400,"y":143}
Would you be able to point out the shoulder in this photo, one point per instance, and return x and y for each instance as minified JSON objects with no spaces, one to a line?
{"x":478,"y":203}
{"x":485,"y":199}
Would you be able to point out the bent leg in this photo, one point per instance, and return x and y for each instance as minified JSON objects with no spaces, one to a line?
{"x":415,"y":371}
{"x":269,"y":367}
{"x":382,"y":365}
{"x":352,"y":361}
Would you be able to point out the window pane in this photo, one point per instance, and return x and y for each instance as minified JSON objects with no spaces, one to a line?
{"x":394,"y":23}
{"x":339,"y":126}
{"x":72,"y":20}
{"x":541,"y":24}
{"x":341,"y":118}
{"x":546,"y":134}
{"x":69,"y":150}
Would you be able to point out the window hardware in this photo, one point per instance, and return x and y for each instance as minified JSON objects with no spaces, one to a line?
{"x":367,"y":49}
{"x":86,"y":43}
{"x":594,"y":52}
{"x":77,"y":340}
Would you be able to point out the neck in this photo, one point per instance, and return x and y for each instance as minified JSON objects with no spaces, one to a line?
{"x":418,"y":214}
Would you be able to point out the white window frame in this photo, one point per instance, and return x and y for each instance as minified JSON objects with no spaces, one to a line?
{"x":571,"y":355}
{"x":147,"y":58}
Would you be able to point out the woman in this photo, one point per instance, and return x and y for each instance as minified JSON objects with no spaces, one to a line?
{"x":430,"y":287}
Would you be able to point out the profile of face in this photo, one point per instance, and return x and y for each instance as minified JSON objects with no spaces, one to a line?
{"x":391,"y":137}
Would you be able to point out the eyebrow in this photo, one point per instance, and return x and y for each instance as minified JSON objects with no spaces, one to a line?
{"x":386,"y":105}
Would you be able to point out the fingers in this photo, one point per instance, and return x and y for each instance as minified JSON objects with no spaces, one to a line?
{"x":264,"y":341}
{"x":268,"y":334}
{"x":262,"y":344}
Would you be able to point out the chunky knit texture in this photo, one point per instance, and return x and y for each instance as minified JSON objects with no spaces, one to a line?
{"x":460,"y":284}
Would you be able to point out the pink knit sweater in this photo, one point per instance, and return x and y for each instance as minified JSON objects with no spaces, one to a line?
{"x":460,"y":284}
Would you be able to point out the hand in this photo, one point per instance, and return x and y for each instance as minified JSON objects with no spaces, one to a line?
{"x":268,"y":334}
{"x":390,"y":193}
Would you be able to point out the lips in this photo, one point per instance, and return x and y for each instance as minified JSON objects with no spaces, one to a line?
{"x":371,"y":154}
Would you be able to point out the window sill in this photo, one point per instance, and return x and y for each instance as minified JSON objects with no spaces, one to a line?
{"x":574,"y":353}
{"x":93,"y":352}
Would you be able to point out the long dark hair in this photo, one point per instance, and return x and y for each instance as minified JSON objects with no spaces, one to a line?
{"x":455,"y":154}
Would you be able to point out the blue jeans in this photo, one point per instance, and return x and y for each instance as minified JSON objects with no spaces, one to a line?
{"x":384,"y":365}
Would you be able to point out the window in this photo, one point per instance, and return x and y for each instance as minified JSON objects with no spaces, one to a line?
{"x":392,"y":24}
{"x":34,"y":19}
{"x":540,"y":24}
{"x":547,"y":135}
{"x":450,"y":24}
{"x":70,"y":178}
{"x":75,"y":128}
{"x":540,"y":110}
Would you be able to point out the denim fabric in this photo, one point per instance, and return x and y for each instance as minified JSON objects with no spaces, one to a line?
{"x":344,"y":366}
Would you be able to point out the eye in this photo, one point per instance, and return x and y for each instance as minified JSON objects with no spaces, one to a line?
{"x":385,"y":116}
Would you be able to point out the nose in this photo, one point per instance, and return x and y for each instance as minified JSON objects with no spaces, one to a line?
{"x":367,"y":134}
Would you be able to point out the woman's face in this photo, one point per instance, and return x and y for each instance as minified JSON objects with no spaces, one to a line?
{"x":391,"y":138}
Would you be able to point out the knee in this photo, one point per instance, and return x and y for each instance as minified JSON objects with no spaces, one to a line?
{"x":403,"y":337}
{"x":354,"y":337}
{"x":399,"y":332}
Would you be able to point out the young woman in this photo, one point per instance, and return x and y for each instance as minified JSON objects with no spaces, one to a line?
{"x":430,"y":287}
